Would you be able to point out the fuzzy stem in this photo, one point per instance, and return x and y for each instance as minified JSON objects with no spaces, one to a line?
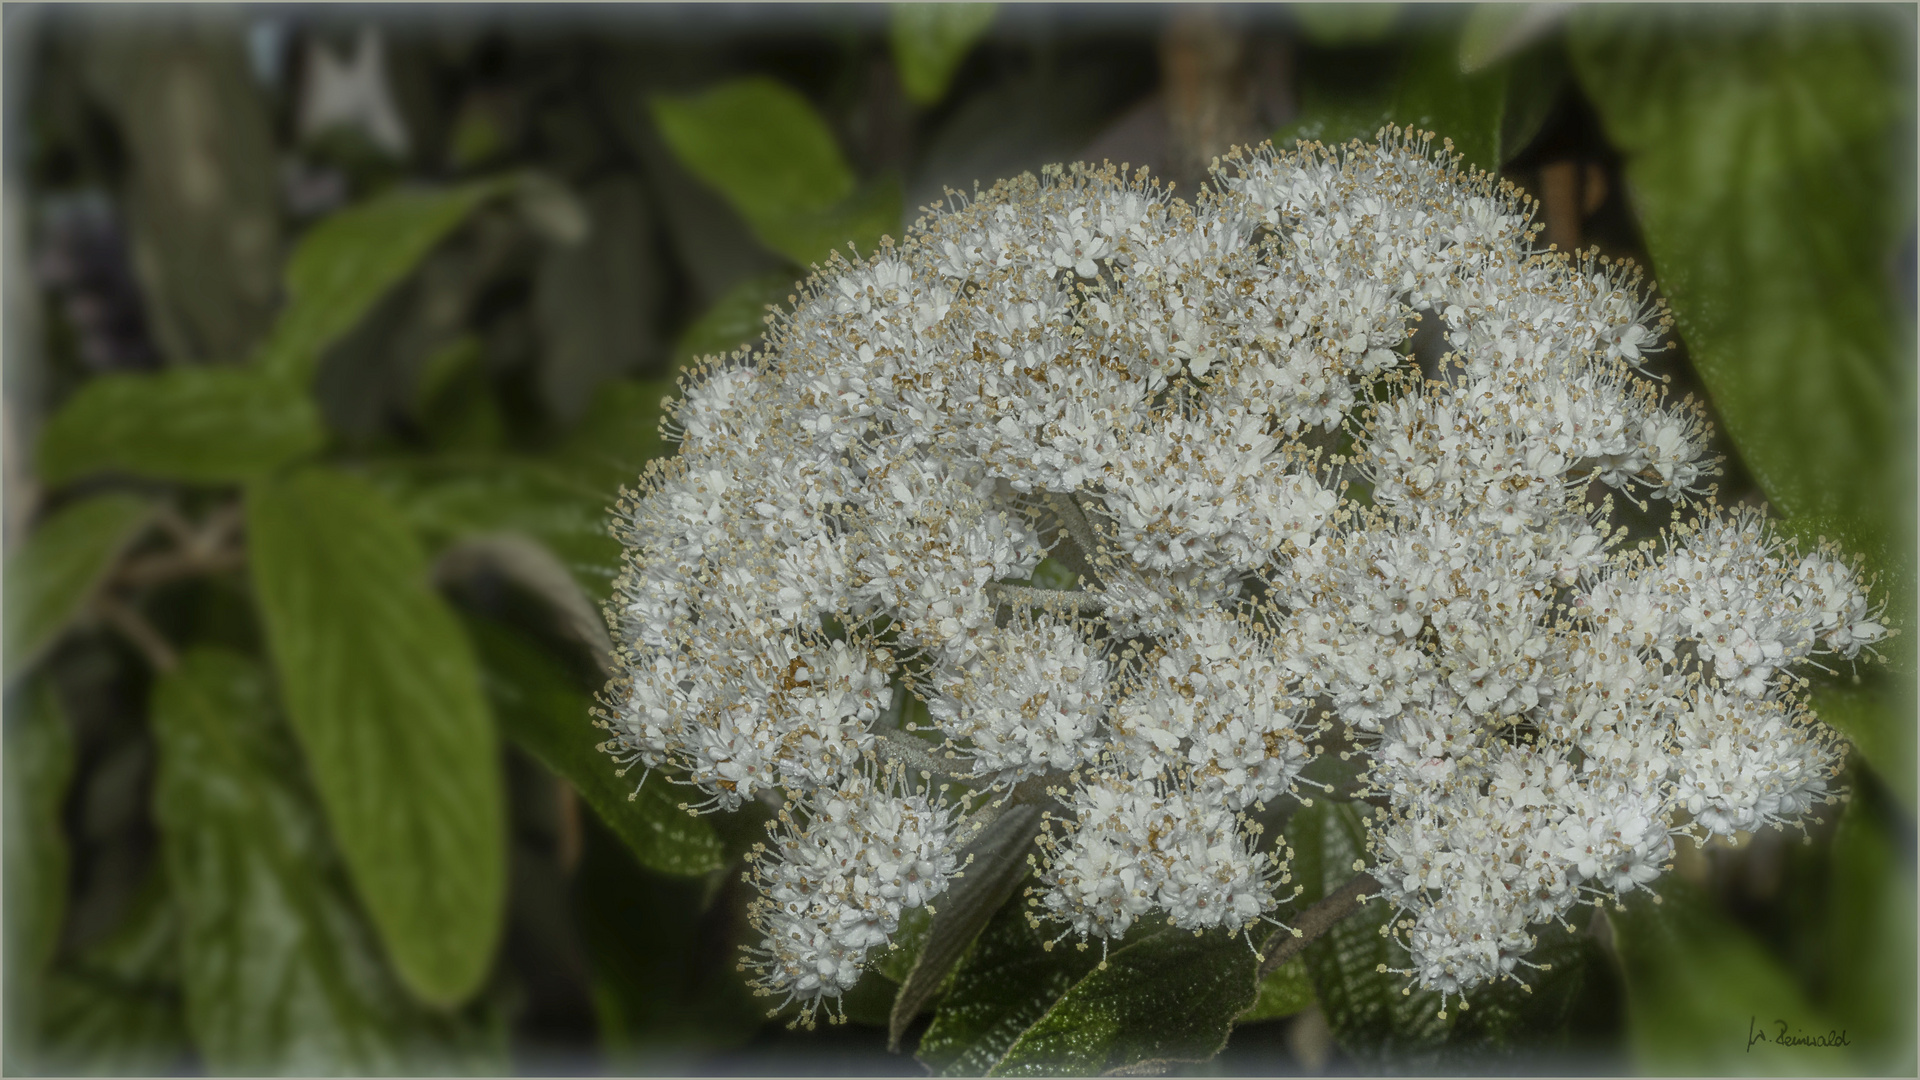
{"x":1314,"y":922}
{"x":133,"y":626}
{"x":1027,"y":596}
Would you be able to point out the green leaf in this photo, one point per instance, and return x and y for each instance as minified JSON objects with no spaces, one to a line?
{"x":766,"y":149}
{"x":930,"y":40}
{"x":281,"y":972}
{"x":38,"y":761}
{"x":996,"y":862}
{"x":53,"y":575}
{"x":383,"y":691}
{"x":1699,"y":987}
{"x":541,"y":708}
{"x":736,"y":319}
{"x":1434,"y":96}
{"x":1007,"y":981}
{"x":1877,"y":716}
{"x":116,"y":1009}
{"x":610,"y":447}
{"x":352,"y":259}
{"x":1285,"y":992}
{"x":1763,"y":155}
{"x":1171,"y":995}
{"x":1871,"y":931}
{"x":199,"y":425}
{"x":446,"y":499}
{"x":1346,"y":24}
{"x":1494,"y":32}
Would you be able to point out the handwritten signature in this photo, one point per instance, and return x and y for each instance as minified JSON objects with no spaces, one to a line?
{"x":1783,"y":1037}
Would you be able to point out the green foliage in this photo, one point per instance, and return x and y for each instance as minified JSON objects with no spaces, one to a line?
{"x":353,"y":258}
{"x":1763,"y":152}
{"x":1871,"y":938}
{"x":383,"y":691}
{"x":38,"y":760}
{"x":1006,"y":983}
{"x":930,"y":40}
{"x":1698,"y":987}
{"x":735,"y":319}
{"x":1167,"y":995}
{"x":1346,"y":24}
{"x":200,"y":425}
{"x":51,"y":578}
{"x":541,"y":708}
{"x":281,"y":972}
{"x":116,"y":1009}
{"x":1285,"y":992}
{"x":766,"y":149}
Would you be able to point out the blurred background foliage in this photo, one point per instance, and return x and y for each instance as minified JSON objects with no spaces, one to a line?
{"x":332,"y":332}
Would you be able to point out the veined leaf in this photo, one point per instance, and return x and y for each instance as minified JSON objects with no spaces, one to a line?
{"x":1761,"y":156}
{"x":280,"y":970}
{"x":930,"y":40}
{"x":53,"y":575}
{"x":352,"y":259}
{"x":1285,"y":992}
{"x":382,"y":689}
{"x":541,"y":708}
{"x":1006,"y":982}
{"x":115,"y":1010}
{"x":39,"y":765}
{"x":203,"y":425}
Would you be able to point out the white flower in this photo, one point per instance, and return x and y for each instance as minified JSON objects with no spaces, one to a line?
{"x":1151,"y":392}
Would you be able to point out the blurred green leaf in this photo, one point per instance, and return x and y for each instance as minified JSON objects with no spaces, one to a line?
{"x":38,"y":759}
{"x":53,"y":575}
{"x":1285,"y":992}
{"x":1871,"y":931}
{"x":1495,"y":32}
{"x":1877,"y":716}
{"x":735,"y":319}
{"x":382,"y":688}
{"x":1006,"y":982}
{"x":1698,"y":988}
{"x":1171,"y":995}
{"x":1346,"y":24}
{"x":116,"y":1009}
{"x":930,"y":40}
{"x":200,"y":425}
{"x":281,"y":972}
{"x":610,"y":447}
{"x":1434,"y":96}
{"x":542,"y":709}
{"x":350,"y":260}
{"x":1763,"y":157}
{"x":767,"y":150}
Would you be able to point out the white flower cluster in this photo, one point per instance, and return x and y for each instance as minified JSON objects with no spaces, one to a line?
{"x":1281,"y":521}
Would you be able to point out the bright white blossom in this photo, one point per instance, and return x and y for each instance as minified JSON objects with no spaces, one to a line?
{"x":1287,"y":522}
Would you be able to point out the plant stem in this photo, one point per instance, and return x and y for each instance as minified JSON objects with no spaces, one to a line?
{"x":1315,"y":921}
{"x":1026,"y":595}
{"x":137,"y":630}
{"x":1074,"y":521}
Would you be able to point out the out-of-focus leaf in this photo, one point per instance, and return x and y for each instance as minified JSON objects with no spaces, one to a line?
{"x":53,"y":575}
{"x":200,"y":425}
{"x":1285,"y":992}
{"x":598,"y":300}
{"x":202,"y":192}
{"x":116,"y":1010}
{"x":541,"y":708}
{"x":610,"y":447}
{"x":1434,"y":96}
{"x":930,"y":40}
{"x":351,"y":259}
{"x":736,"y":319}
{"x":382,"y":688}
{"x":861,"y":220}
{"x":1535,"y":79}
{"x":281,"y":972}
{"x":1877,"y":716}
{"x":907,"y":943}
{"x":446,"y":499}
{"x":766,"y":149}
{"x":1699,"y":988}
{"x":1346,"y":24}
{"x":1171,"y":995}
{"x":38,"y":760}
{"x":1871,"y":931}
{"x":1006,"y":982}
{"x":1494,"y":32}
{"x":1763,"y":157}
{"x":995,"y":861}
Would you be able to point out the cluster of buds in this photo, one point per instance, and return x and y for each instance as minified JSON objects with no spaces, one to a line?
{"x":1331,"y":452}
